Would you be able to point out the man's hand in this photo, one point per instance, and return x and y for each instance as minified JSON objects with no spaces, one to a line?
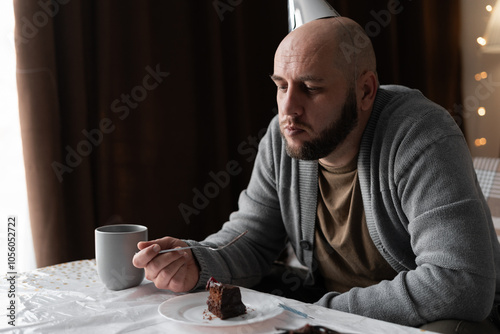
{"x":175,"y":271}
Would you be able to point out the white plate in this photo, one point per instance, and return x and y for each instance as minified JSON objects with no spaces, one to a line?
{"x":192,"y":309}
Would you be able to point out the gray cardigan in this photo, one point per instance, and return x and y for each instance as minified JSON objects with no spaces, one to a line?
{"x":424,"y":209}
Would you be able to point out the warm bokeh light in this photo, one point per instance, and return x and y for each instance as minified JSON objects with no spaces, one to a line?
{"x":480,"y":76}
{"x":489,"y":8}
{"x":481,"y":111}
{"x":481,"y":41}
{"x":480,"y":142}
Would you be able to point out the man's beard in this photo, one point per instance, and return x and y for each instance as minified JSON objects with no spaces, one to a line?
{"x":331,"y":137}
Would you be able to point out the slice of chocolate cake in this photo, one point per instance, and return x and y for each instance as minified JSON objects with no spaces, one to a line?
{"x":224,"y":300}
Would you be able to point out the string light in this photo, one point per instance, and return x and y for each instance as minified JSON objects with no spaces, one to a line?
{"x":480,"y":142}
{"x":480,"y":76}
{"x":481,"y":111}
{"x":481,"y":40}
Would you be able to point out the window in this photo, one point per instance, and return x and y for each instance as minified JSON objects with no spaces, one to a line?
{"x":13,"y":196}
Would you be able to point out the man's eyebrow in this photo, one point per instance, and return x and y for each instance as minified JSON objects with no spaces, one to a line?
{"x":308,"y":78}
{"x":276,"y":77}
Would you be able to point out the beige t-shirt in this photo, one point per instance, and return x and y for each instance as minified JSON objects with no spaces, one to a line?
{"x":344,"y":251}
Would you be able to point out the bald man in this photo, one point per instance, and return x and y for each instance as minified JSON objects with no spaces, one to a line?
{"x":374,"y":188}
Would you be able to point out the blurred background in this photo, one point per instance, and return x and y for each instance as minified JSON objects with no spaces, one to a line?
{"x":150,"y":112}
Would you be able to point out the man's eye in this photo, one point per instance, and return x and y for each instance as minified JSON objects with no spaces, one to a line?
{"x":311,"y":90}
{"x":282,"y":88}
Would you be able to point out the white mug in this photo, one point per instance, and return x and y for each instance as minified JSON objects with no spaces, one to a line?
{"x":115,"y":246}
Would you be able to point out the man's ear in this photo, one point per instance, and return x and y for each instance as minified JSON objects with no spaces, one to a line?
{"x":367,"y":86}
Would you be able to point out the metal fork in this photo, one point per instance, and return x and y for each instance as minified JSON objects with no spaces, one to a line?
{"x":211,"y":247}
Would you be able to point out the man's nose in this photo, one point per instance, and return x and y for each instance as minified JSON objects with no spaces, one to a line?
{"x":290,"y":103}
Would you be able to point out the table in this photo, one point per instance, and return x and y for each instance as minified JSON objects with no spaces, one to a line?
{"x":69,"y":298}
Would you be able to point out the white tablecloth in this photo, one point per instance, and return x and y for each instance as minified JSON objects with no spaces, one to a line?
{"x":69,"y":298}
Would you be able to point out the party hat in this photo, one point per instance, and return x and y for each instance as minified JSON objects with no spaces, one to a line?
{"x":303,"y":11}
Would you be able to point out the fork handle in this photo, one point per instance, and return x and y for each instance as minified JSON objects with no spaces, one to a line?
{"x":181,"y":248}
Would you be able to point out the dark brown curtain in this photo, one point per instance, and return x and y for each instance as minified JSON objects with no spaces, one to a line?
{"x":150,"y":111}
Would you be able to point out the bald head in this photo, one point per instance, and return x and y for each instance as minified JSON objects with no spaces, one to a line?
{"x":342,"y":39}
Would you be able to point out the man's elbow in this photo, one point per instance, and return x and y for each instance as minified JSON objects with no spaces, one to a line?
{"x":474,"y":301}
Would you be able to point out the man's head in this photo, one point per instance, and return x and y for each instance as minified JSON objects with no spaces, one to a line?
{"x":325,"y":72}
